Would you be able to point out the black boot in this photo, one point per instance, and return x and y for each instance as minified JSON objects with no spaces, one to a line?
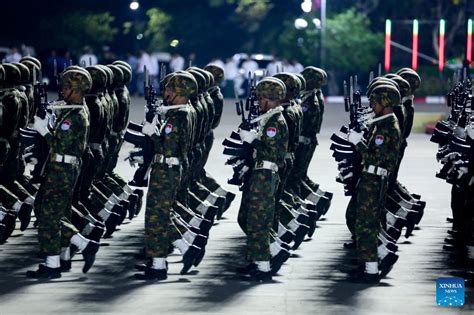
{"x":65,"y":265}
{"x":247,"y":269}
{"x":278,"y":260}
{"x":138,"y":192}
{"x":189,"y":257}
{"x":44,"y":272}
{"x":9,"y":220}
{"x":111,"y":224}
{"x":24,"y":215}
{"x":121,"y":211}
{"x":257,"y":275}
{"x":152,"y":274}
{"x":2,"y":230}
{"x":386,"y":264}
{"x":132,"y":209}
{"x":89,"y":255}
{"x":300,"y":234}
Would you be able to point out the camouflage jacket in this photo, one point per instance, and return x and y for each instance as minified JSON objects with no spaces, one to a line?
{"x":409,"y":116}
{"x":383,"y":143}
{"x":98,"y":123}
{"x":200,"y":120}
{"x":10,"y":109}
{"x":205,"y":122}
{"x":123,"y":98}
{"x":291,"y":120}
{"x":311,"y":115}
{"x":218,"y":100}
{"x":211,"y":111}
{"x":69,"y":132}
{"x":175,"y":133}
{"x":272,"y":139}
{"x":25,"y":107}
{"x":320,"y":97}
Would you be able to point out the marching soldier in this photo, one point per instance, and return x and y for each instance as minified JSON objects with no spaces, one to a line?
{"x":379,"y":156}
{"x":270,"y":143}
{"x":171,"y":144}
{"x":66,"y":136}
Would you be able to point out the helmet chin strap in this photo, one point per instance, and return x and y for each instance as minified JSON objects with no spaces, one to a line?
{"x":67,"y":98}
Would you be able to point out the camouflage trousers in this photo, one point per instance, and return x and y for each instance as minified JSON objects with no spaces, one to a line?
{"x":303,"y":156}
{"x":363,"y":215}
{"x":256,"y":213}
{"x":164,"y":183}
{"x":53,"y":205}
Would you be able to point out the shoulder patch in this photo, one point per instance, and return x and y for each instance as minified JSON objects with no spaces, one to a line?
{"x":168,"y":128}
{"x":304,"y":109}
{"x":66,"y":124}
{"x":271,"y":132}
{"x":379,"y":139}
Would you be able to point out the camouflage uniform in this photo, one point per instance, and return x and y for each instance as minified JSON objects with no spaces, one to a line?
{"x":67,"y":142}
{"x":257,"y":209}
{"x":379,"y":155}
{"x":171,"y":150}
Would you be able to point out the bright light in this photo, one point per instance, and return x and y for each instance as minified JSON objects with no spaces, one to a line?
{"x":174,"y":43}
{"x":442,"y":29}
{"x":134,"y":5}
{"x":469,"y":40}
{"x":306,"y":6}
{"x":301,"y":24}
{"x":139,"y":36}
{"x":414,"y":56}
{"x":258,"y":57}
{"x":388,"y":39}
{"x":317,"y":23}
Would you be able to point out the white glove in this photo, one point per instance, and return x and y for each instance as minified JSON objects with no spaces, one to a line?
{"x":462,"y":171}
{"x":151,"y":129}
{"x":450,"y":157}
{"x":355,"y":137}
{"x":41,"y":125}
{"x":248,"y":136}
{"x":470,"y":131}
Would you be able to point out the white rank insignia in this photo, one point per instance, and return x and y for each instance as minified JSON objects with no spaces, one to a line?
{"x":379,"y":139}
{"x":66,"y":124}
{"x":168,"y":128}
{"x":271,"y":132}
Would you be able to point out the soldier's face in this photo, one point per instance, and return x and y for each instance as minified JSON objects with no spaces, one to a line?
{"x":169,"y":94}
{"x":376,"y":107}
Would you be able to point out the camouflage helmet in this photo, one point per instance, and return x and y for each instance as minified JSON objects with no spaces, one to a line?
{"x":99,"y":78}
{"x":217,"y":72}
{"x":12,"y":74}
{"x":271,"y":88}
{"x":386,"y":95}
{"x":122,"y":63}
{"x":127,"y":72}
{"x":380,"y":81}
{"x":76,"y":79}
{"x":33,"y":67}
{"x":200,"y":80}
{"x":212,"y":80}
{"x":110,"y":76}
{"x":183,"y":84}
{"x":25,"y":72}
{"x":302,"y":81}
{"x":31,"y":59}
{"x":118,"y":76}
{"x":165,"y":80}
{"x":412,"y":77}
{"x":207,"y":79}
{"x":291,"y":82}
{"x":314,"y":77}
{"x":404,"y":86}
{"x":325,"y":76}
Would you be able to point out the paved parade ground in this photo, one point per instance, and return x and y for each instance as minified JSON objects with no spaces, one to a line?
{"x":312,"y":281}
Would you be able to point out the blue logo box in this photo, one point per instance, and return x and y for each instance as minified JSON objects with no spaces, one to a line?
{"x":450,"y":291}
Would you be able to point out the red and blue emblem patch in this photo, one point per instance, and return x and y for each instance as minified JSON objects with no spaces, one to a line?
{"x":168,"y":128}
{"x":66,"y":124}
{"x":271,"y":132}
{"x":379,"y":139}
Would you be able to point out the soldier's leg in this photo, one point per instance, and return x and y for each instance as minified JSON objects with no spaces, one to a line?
{"x":263,"y":184}
{"x":367,"y":222}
